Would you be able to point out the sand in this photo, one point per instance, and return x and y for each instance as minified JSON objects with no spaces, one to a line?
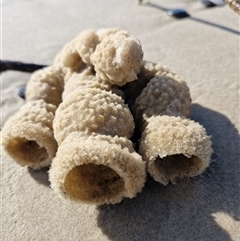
{"x":203,"y":50}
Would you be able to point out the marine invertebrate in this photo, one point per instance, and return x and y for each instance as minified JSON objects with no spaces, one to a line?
{"x":46,"y":84}
{"x":172,"y":145}
{"x":117,"y":58}
{"x":28,"y":135}
{"x":97,"y":169}
{"x":92,"y":127}
{"x":96,"y":162}
{"x":77,"y":120}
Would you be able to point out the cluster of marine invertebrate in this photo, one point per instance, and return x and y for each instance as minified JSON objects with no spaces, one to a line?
{"x":172,"y":145}
{"x":81,"y":113}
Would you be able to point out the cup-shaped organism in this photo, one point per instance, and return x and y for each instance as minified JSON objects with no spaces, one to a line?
{"x":97,"y":169}
{"x":28,"y":135}
{"x":46,"y":84}
{"x":174,"y":148}
{"x":95,"y":162}
{"x":92,"y":110}
{"x":172,"y":145}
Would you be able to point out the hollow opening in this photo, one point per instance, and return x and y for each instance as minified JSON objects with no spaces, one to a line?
{"x":93,"y":183}
{"x":74,"y":61}
{"x":26,"y":151}
{"x":178,"y":165}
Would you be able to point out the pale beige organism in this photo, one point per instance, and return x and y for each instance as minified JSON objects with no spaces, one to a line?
{"x":172,"y":145}
{"x":97,"y":169}
{"x":96,"y":162}
{"x":85,"y":79}
{"x":114,"y":55}
{"x":75,"y":112}
{"x":234,"y":5}
{"x":99,"y":164}
{"x":92,"y":110}
{"x":117,"y":58}
{"x":28,"y":136}
{"x":46,"y":86}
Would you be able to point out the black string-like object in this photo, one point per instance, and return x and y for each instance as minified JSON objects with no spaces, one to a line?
{"x":19,"y":66}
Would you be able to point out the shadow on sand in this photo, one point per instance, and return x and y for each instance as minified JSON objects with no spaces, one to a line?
{"x":40,"y":176}
{"x":184,"y":211}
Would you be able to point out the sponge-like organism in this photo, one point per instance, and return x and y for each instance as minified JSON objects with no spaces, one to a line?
{"x":28,"y":135}
{"x":172,"y":145}
{"x":95,"y":161}
{"x":85,"y":79}
{"x":91,"y":110}
{"x":97,"y":169}
{"x":117,"y":58}
{"x":174,"y":148}
{"x":86,"y":43}
{"x":163,"y":95}
{"x":69,"y":57}
{"x":148,"y":70}
{"x":46,"y":84}
{"x":74,"y":64}
{"x":69,"y":60}
{"x":113,"y":54}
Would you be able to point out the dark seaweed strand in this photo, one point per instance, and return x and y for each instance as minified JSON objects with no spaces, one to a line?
{"x":19,"y":66}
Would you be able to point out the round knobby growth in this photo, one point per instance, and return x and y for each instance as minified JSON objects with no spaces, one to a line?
{"x":93,"y":183}
{"x":26,"y":151}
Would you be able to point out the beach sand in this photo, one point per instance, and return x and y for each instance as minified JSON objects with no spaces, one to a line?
{"x":204,"y":50}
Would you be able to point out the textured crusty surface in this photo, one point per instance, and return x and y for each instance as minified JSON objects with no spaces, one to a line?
{"x":69,"y":60}
{"x":28,"y":136}
{"x":85,"y":79}
{"x":174,"y":148}
{"x":206,"y":55}
{"x":92,"y":110}
{"x":46,"y":84}
{"x":148,"y":71}
{"x":163,"y":95}
{"x":86,"y":43}
{"x":97,"y":169}
{"x":117,"y":58}
{"x":114,"y":55}
{"x":69,"y":57}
